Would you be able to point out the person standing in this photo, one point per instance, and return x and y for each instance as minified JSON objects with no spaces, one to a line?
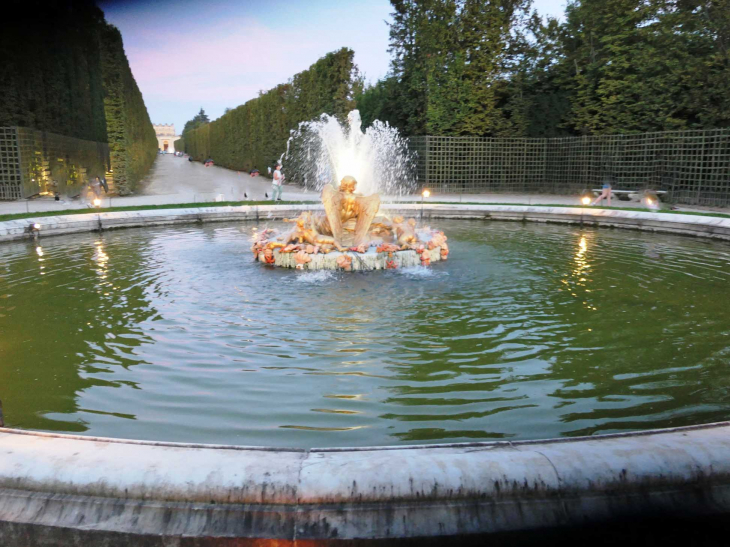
{"x":277,"y":183}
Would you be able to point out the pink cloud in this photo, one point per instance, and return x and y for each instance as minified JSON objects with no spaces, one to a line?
{"x":189,"y":64}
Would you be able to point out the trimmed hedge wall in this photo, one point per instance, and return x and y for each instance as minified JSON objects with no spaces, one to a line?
{"x":132,"y":140}
{"x":254,"y":135}
{"x":63,"y":70}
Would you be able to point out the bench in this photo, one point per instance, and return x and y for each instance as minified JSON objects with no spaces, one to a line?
{"x":630,"y":195}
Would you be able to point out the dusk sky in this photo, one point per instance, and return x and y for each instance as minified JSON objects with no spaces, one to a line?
{"x":221,"y":53}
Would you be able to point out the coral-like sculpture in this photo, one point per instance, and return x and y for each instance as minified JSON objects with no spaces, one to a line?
{"x":301,"y":259}
{"x":344,"y":262}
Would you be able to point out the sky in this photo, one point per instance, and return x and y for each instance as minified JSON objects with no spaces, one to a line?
{"x":216,"y":54}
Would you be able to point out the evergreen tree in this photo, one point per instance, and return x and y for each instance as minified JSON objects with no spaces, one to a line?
{"x":647,"y":65}
{"x":482,"y":67}
{"x":201,"y":118}
{"x":487,"y":30}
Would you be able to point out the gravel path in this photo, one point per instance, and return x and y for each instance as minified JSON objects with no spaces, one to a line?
{"x":171,"y":175}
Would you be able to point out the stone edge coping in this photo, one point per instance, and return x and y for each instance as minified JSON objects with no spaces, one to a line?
{"x":716,"y":227}
{"x":147,"y":487}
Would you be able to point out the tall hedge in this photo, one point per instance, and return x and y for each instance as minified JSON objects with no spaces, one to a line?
{"x":132,"y":140}
{"x":63,"y":70}
{"x":254,"y":134}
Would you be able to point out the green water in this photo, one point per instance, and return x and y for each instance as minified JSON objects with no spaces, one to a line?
{"x":526,"y":332}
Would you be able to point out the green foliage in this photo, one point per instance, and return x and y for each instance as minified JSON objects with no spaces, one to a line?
{"x":132,"y":141}
{"x":648,"y":65}
{"x":64,"y":71}
{"x":484,"y":68}
{"x":449,"y":67}
{"x":201,"y":118}
{"x":254,"y":134}
{"x":50,"y":75}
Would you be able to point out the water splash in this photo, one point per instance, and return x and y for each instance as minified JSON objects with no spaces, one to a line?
{"x":323,"y":151}
{"x":316,"y":277}
{"x":420,"y":271}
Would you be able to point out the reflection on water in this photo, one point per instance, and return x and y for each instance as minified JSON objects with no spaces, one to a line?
{"x":527,"y":331}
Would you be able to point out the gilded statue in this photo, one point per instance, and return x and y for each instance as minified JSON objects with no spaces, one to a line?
{"x":352,"y":226}
{"x":405,"y":232}
{"x":345,"y":224}
{"x":305,"y":231}
{"x":348,"y":215}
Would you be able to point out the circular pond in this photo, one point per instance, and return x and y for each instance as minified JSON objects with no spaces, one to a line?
{"x":526,"y":332}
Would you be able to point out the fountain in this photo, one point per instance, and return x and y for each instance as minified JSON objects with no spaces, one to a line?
{"x":158,"y":385}
{"x":353,"y":233}
{"x":324,"y":151}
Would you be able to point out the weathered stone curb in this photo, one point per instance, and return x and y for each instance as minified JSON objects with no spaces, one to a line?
{"x":137,"y":489}
{"x":714,"y":227}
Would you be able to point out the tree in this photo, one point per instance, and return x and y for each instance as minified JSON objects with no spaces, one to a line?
{"x":201,"y":118}
{"x":483,"y":67}
{"x":647,"y":65}
{"x":448,"y":65}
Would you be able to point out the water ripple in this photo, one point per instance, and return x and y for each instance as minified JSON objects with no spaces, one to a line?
{"x":527,"y":331}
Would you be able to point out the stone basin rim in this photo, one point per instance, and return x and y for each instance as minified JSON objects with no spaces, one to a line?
{"x":682,"y":224}
{"x":375,"y":448}
{"x":74,"y":496}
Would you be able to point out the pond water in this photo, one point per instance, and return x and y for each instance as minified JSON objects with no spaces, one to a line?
{"x":527,"y":332}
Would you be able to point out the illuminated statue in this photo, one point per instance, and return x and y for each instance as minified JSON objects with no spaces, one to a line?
{"x":305,"y":231}
{"x":348,"y":215}
{"x":351,"y":226}
{"x":405,"y":231}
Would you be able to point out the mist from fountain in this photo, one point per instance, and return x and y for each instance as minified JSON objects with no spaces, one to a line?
{"x":323,"y":151}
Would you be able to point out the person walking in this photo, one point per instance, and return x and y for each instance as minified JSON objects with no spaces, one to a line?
{"x":96,"y":187}
{"x":276,"y":188}
{"x":605,"y":192}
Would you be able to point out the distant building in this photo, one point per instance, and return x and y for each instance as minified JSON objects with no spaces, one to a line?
{"x":166,"y":136}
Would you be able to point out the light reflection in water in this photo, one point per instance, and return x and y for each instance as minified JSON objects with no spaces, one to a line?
{"x":39,"y":252}
{"x":581,"y":273}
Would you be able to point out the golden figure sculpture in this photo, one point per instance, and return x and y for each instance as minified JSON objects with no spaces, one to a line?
{"x":405,"y":232}
{"x":352,"y":226}
{"x":348,"y":215}
{"x":305,"y":231}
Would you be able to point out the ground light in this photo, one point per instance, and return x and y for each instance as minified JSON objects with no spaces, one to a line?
{"x":586,"y":197}
{"x":33,"y":229}
{"x":97,"y":203}
{"x":426,"y":193}
{"x":651,"y":199}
